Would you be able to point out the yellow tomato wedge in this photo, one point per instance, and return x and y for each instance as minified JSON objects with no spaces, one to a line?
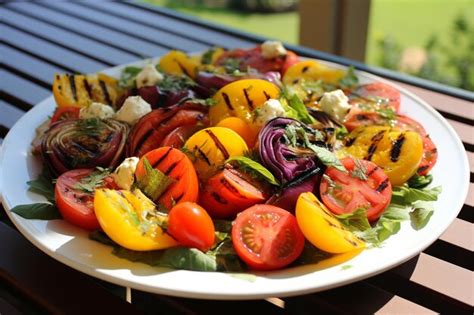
{"x":397,"y":152}
{"x":210,"y":147}
{"x":311,"y":70}
{"x":322,"y":229}
{"x":178,"y":63}
{"x":80,"y":90}
{"x":241,"y":127}
{"x":122,"y":216}
{"x":240,"y":99}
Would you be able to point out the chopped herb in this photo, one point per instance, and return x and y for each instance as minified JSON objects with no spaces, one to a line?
{"x":89,"y":183}
{"x":345,"y":267}
{"x":350,"y":80}
{"x":231,"y":65}
{"x":359,"y":170}
{"x":172,"y":83}
{"x":206,"y":58}
{"x":154,"y":182}
{"x":387,"y":113}
{"x":91,"y":127}
{"x":254,"y":167}
{"x":128,"y":76}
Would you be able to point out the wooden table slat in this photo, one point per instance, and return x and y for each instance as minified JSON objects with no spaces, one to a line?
{"x":90,"y":48}
{"x":49,"y":51}
{"x":460,"y":233}
{"x":93,"y":31}
{"x":174,"y":26}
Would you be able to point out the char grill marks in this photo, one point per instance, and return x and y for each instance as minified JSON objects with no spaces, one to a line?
{"x":218,"y":144}
{"x":373,"y":146}
{"x":397,"y":148}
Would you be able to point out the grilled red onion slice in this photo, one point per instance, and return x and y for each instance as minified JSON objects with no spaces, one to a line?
{"x":83,"y":143}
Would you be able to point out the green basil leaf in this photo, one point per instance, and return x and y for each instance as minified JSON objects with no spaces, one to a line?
{"x":154,"y":182}
{"x":295,"y":102}
{"x":356,"y":220}
{"x":255,"y":167}
{"x":227,"y":258}
{"x":350,"y":80}
{"x":38,"y":211}
{"x":417,"y":181}
{"x":43,"y":185}
{"x":327,"y":157}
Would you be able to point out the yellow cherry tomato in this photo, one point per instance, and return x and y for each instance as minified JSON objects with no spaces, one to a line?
{"x":177,"y":63}
{"x":210,"y":147}
{"x":240,"y":127}
{"x":123,"y":217}
{"x":322,"y":229}
{"x":240,"y":99}
{"x":80,"y":90}
{"x":397,"y":152}
{"x":312,"y":70}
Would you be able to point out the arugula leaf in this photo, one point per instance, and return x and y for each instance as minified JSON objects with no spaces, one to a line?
{"x":386,"y":227}
{"x":128,"y":76}
{"x":295,"y":102}
{"x":417,"y":181}
{"x":38,"y":211}
{"x":154,"y":182}
{"x":405,"y":194}
{"x":254,"y":167}
{"x":421,"y":214}
{"x":359,"y":170}
{"x":350,"y":80}
{"x":356,"y":220}
{"x":43,"y":185}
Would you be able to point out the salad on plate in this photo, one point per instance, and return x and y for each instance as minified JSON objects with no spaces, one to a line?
{"x":232,"y":160}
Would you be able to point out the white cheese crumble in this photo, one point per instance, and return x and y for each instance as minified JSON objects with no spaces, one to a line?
{"x":124,"y":173}
{"x":96,"y":110}
{"x":149,"y":76}
{"x":269,"y":110}
{"x":134,"y":108}
{"x":336,"y":104}
{"x":272,"y":49}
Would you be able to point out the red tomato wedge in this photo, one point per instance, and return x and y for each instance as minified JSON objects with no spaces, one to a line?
{"x":191,"y":225}
{"x":267,"y":237}
{"x":380,"y":91}
{"x":357,"y":118}
{"x":229,"y":192}
{"x":175,"y":164}
{"x":76,"y":205}
{"x":150,"y":131}
{"x":178,"y":136}
{"x":430,"y":152}
{"x":253,"y":58}
{"x":365,"y":185}
{"x":65,"y":113}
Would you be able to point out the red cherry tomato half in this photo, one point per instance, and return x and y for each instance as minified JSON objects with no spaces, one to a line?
{"x":365,"y":185}
{"x":229,"y":192}
{"x":65,"y":113}
{"x":381,"y":91}
{"x":76,"y":205}
{"x":190,"y":225}
{"x":267,"y":237}
{"x":430,"y":152}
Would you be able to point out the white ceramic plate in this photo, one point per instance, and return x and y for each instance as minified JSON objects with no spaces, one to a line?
{"x":71,"y":246}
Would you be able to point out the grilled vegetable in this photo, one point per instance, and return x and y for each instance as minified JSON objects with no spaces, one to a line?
{"x":211,"y":147}
{"x":322,"y":229}
{"x":241,"y":98}
{"x":177,"y":166}
{"x":311,"y":70}
{"x":178,"y":63}
{"x":80,"y":90}
{"x":154,"y":129}
{"x":397,"y":152}
{"x":83,"y":143}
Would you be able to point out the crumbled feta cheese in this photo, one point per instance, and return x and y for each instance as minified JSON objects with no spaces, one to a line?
{"x":269,"y":110}
{"x":124,"y":173}
{"x":133,"y":109}
{"x":336,"y":104}
{"x":148,"y":76}
{"x":272,"y":49}
{"x":96,"y":110}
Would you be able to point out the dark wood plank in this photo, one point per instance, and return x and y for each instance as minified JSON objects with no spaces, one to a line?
{"x":113,"y":38}
{"x":80,"y":44}
{"x":22,"y":89}
{"x":54,"y":286}
{"x":156,"y":20}
{"x":126,"y":26}
{"x":48,"y":50}
{"x":29,"y":65}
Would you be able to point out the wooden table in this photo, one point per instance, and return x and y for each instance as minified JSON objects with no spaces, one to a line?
{"x":42,"y":38}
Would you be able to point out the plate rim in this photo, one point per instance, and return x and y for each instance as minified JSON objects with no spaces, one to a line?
{"x":224,"y":296}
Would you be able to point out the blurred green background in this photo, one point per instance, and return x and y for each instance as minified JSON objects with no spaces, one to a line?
{"x":432,"y":39}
